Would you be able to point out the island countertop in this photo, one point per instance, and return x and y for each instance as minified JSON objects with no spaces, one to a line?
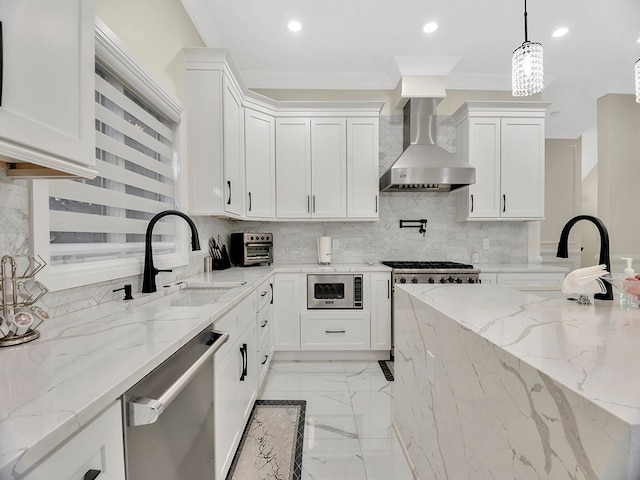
{"x":593,"y":350}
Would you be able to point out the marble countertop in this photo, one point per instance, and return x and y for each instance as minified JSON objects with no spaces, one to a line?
{"x":84,"y":361}
{"x":594,"y":350}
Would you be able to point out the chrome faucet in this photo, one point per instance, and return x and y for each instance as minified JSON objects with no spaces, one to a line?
{"x":605,"y":257}
{"x":150,"y":271}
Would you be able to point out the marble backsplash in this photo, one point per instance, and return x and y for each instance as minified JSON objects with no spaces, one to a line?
{"x":294,"y":242}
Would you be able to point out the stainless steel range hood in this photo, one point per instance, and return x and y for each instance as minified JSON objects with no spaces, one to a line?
{"x":423,"y":166}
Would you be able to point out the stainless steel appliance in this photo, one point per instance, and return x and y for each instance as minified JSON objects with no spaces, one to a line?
{"x":440,"y":272}
{"x":169,"y":415}
{"x":251,"y":248}
{"x":336,"y":290}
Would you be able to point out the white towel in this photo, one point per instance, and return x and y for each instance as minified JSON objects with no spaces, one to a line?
{"x":585,"y":281}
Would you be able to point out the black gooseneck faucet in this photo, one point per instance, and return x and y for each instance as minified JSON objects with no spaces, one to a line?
{"x":605,"y":257}
{"x":150,"y":271}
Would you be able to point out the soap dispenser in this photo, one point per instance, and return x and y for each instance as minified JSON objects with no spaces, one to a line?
{"x":628,"y":272}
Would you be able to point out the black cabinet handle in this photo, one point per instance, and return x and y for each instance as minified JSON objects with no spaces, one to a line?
{"x":229,"y":185}
{"x":376,"y":203}
{"x":271,"y":285}
{"x":266,"y":357}
{"x":472,"y":202}
{"x":1,"y":61}
{"x":504,"y":203}
{"x":91,"y":475}
{"x":249,"y":201}
{"x":264,"y":324}
{"x":388,"y":288}
{"x":335,"y":331}
{"x":243,"y":352}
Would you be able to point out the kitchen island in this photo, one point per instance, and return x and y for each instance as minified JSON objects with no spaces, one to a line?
{"x":496,"y":383}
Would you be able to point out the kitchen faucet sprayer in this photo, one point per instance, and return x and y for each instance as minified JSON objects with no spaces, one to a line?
{"x":150,"y":271}
{"x":605,"y":258}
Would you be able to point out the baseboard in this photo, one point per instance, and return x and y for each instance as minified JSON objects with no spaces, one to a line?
{"x":317,"y":355}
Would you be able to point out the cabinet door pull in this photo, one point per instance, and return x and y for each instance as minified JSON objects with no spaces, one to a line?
{"x":504,"y":203}
{"x":266,"y":357}
{"x":1,"y":61}
{"x":472,"y":202}
{"x":271,"y":285}
{"x":243,"y":352}
{"x":264,"y":324}
{"x":314,"y":203}
{"x":91,"y":474}
{"x":308,"y":203}
{"x":376,"y":203}
{"x":263,"y":293}
{"x":388,"y":288}
{"x":249,"y":201}
{"x":335,"y":331}
{"x":229,"y":185}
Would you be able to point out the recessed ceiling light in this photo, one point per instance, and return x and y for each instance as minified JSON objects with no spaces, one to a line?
{"x":430,"y":27}
{"x":560,"y":32}
{"x":295,"y":26}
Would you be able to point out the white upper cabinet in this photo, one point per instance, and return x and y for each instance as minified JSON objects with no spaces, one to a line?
{"x":504,"y":141}
{"x":251,"y":157}
{"x":328,"y":168}
{"x":260,"y":167}
{"x":293,"y":167}
{"x":233,"y":148}
{"x":47,"y":103}
{"x":362,"y":168}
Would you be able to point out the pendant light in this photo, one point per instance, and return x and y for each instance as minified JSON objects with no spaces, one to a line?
{"x":637,"y":70}
{"x":526,"y":66}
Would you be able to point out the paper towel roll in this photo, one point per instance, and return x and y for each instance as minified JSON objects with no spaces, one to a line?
{"x":324,"y":249}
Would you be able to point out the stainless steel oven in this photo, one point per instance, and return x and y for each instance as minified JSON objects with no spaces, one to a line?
{"x":169,"y":415}
{"x":251,"y":248}
{"x":337,"y":290}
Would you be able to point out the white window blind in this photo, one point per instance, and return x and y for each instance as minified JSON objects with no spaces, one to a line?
{"x":106,"y":218}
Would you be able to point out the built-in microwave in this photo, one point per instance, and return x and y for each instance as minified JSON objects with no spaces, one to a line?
{"x":336,"y":290}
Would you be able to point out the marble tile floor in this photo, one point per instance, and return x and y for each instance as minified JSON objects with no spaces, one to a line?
{"x":348,"y":431}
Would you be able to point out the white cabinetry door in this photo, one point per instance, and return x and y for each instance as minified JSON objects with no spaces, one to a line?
{"x":248,"y":373}
{"x":522,"y":166}
{"x":259,"y":164}
{"x":293,"y":167}
{"x":47,"y":115}
{"x":97,"y":447}
{"x":335,"y":330}
{"x":227,"y":411}
{"x":233,"y":141}
{"x":287,"y":291}
{"x":328,"y":168}
{"x":362,"y":168}
{"x":380,"y":307}
{"x":484,"y":155}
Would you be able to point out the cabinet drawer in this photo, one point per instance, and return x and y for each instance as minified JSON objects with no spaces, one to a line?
{"x":264,"y":325}
{"x":263,"y":295}
{"x":340,"y":331}
{"x":97,"y":447}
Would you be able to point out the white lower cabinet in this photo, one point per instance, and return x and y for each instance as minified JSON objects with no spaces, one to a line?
{"x":287,"y":305}
{"x":334,"y":330}
{"x":97,"y":449}
{"x":235,"y":382}
{"x":380,"y":308}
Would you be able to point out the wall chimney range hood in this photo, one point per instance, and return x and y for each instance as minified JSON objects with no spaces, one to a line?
{"x":423,"y":166}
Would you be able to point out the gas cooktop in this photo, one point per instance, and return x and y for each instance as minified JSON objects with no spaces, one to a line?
{"x":426,"y":265}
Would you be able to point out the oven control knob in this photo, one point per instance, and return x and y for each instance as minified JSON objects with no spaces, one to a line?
{"x":471,"y":280}
{"x":403,"y":280}
{"x":431,"y":280}
{"x":443,"y":280}
{"x":414,"y":280}
{"x":458,"y":280}
{"x":451,"y":279}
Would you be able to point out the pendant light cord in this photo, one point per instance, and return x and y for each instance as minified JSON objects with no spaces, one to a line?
{"x":526,"y":35}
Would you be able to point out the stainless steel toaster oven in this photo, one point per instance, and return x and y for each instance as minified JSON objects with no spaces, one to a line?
{"x":251,"y":248}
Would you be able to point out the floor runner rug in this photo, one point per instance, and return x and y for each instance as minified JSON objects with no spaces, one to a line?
{"x":271,"y":445}
{"x":387,"y":369}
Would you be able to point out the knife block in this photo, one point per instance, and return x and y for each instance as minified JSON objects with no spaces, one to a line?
{"x":221,"y":263}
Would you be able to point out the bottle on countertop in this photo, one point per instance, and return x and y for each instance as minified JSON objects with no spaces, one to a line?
{"x":628,"y":272}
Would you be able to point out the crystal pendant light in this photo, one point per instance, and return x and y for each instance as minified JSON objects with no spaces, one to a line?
{"x":637,"y":70}
{"x":526,"y":66}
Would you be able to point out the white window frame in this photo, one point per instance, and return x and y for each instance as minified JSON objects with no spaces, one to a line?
{"x":111,"y":51}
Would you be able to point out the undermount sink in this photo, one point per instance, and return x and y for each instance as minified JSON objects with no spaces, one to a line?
{"x":191,"y":297}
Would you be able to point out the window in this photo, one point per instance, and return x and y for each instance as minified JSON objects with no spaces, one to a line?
{"x":96,"y":228}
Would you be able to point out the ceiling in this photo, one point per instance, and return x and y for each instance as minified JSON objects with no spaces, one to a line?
{"x":367,"y":44}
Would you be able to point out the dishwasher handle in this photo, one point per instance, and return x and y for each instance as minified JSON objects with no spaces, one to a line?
{"x":144,"y":411}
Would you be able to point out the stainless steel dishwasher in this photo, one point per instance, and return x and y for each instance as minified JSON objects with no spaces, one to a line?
{"x":169,"y":415}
